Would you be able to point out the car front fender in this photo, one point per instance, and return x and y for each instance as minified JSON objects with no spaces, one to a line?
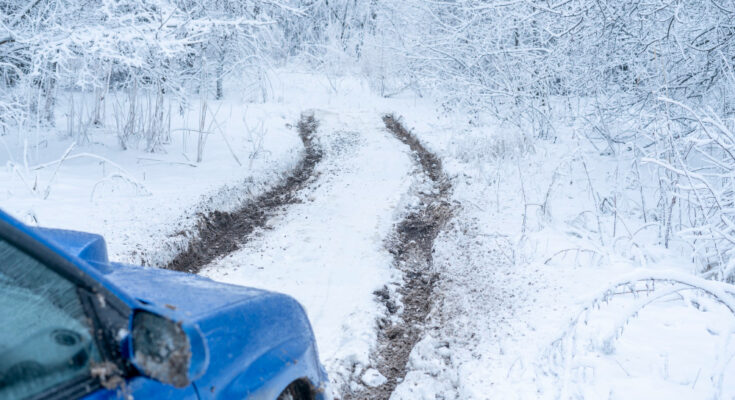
{"x":270,"y":374}
{"x":257,"y":348}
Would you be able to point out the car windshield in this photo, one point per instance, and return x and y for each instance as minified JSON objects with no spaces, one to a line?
{"x":45,"y":340}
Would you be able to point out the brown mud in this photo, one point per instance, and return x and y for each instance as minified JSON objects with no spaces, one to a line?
{"x":221,"y":233}
{"x":411,"y":245}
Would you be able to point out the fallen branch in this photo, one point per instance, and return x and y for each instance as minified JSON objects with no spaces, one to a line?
{"x":188,"y":164}
{"x":139,"y":187}
{"x":562,"y":349}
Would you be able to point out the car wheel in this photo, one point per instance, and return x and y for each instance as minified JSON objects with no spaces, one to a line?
{"x":296,"y":391}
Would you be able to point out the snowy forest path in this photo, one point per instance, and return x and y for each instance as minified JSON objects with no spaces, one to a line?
{"x":349,"y":234}
{"x":330,"y":249}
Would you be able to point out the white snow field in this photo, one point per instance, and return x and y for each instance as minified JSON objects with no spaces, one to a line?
{"x":527,"y":305}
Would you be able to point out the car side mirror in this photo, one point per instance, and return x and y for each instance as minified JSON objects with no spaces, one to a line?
{"x":172,"y":352}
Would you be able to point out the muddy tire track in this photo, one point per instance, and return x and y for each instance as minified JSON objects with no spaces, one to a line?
{"x":220,"y":233}
{"x":411,"y":246}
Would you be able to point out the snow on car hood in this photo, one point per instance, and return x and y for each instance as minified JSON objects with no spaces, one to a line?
{"x":192,"y":295}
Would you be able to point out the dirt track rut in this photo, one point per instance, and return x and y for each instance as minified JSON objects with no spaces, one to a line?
{"x":411,"y":246}
{"x":221,"y":233}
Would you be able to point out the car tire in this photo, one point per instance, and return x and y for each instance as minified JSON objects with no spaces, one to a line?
{"x":295,"y":391}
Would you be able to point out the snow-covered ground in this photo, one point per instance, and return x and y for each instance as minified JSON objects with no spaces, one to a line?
{"x":526,"y":307}
{"x":510,"y":291}
{"x":141,"y":201}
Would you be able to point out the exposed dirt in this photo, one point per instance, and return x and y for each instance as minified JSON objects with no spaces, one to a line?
{"x":411,"y":246}
{"x":221,"y":233}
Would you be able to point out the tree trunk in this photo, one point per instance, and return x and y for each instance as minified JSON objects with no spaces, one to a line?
{"x":50,"y":96}
{"x":221,"y":69}
{"x":220,"y":91}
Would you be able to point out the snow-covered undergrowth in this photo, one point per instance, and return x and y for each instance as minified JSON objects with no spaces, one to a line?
{"x":553,"y":283}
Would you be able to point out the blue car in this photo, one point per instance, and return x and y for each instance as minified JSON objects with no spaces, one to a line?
{"x":75,"y":325}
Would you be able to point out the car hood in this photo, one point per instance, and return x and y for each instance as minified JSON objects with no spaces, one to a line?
{"x":191,"y":295}
{"x":251,"y":334}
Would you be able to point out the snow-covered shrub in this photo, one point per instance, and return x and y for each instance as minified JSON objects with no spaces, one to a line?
{"x":147,"y":56}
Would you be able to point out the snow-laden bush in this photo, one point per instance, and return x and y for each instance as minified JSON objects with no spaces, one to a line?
{"x":142,"y":59}
{"x":655,"y":81}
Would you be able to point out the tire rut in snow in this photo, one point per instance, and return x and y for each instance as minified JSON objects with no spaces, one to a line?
{"x":220,"y":233}
{"x":411,"y":246}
